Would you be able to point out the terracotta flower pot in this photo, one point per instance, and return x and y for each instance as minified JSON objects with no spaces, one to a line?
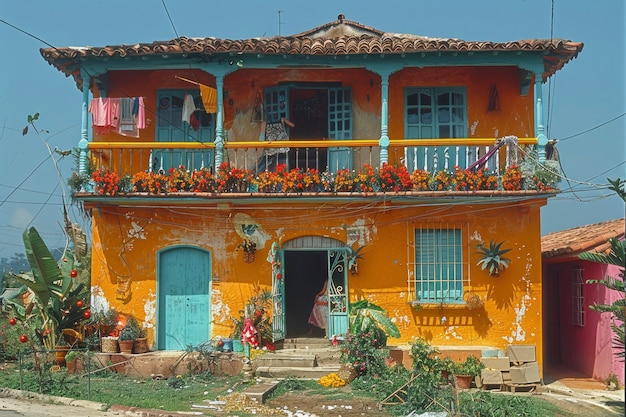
{"x":126,"y":346}
{"x":59,"y":354}
{"x":141,"y":345}
{"x":463,"y":381}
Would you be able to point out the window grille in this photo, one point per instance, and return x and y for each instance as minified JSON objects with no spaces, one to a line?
{"x":578,"y":298}
{"x":439,"y":273}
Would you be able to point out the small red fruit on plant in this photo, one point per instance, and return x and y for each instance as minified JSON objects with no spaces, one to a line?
{"x":73,"y":273}
{"x":23,"y":338}
{"x":79,"y":303}
{"x":87,"y":314}
{"x":12,"y":321}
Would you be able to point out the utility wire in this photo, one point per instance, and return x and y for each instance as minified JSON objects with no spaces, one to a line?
{"x":550,"y":87}
{"x":593,"y":128}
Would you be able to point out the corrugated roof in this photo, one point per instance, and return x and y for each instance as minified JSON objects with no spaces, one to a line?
{"x":339,"y":37}
{"x":571,"y":242}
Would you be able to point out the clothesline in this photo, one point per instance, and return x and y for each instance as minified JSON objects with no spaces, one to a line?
{"x":187,"y":80}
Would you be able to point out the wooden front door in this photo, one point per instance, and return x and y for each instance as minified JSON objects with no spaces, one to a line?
{"x":183,"y":292}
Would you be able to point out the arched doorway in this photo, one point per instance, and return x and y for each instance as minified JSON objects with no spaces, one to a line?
{"x":308,"y":263}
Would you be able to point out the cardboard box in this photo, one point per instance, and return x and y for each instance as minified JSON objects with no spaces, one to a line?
{"x":500,"y":364}
{"x":519,"y":354}
{"x":491,"y":377}
{"x":527,"y":373}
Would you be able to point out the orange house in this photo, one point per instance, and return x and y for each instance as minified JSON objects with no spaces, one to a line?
{"x":223,"y":164}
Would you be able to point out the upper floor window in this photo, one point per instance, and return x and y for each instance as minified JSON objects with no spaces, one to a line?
{"x":170,"y":127}
{"x":439,"y":264}
{"x":436,"y":112}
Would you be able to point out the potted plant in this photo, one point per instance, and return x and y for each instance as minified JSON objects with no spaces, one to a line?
{"x":93,"y":342}
{"x":474,"y":302}
{"x":492,"y":259}
{"x":446,"y":367}
{"x":141,"y":343}
{"x":466,"y":371}
{"x":72,"y":362}
{"x":102,"y":326}
{"x":128,"y":334}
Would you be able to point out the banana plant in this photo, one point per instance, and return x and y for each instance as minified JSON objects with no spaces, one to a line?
{"x":49,"y":282}
{"x":368,"y":317}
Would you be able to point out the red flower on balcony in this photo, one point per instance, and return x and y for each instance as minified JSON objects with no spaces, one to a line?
{"x":105,"y":182}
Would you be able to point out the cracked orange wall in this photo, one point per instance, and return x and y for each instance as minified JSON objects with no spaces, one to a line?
{"x":512,"y":312}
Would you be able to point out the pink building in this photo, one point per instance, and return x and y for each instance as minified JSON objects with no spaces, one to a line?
{"x":575,"y":336}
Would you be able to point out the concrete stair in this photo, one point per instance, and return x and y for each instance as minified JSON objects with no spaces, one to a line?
{"x":306,"y":358}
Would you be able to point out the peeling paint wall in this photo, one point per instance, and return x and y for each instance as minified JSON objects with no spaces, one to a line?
{"x":512,"y":311}
{"x":126,"y":240}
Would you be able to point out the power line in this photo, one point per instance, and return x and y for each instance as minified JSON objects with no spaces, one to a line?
{"x":170,"y":18}
{"x":593,"y":128}
{"x":27,"y":33}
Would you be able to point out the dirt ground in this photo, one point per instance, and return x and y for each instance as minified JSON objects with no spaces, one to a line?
{"x":322,"y":406}
{"x":313,"y":405}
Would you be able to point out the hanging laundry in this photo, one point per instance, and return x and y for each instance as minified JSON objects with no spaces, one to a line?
{"x":209,"y":98}
{"x":132,"y":116}
{"x":105,"y":114}
{"x":140,"y":114}
{"x":188,"y":108}
{"x":194,"y":122}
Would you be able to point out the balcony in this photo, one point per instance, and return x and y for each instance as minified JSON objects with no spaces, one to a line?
{"x":433,"y":167}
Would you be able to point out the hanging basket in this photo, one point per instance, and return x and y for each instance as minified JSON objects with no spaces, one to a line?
{"x":109,"y":344}
{"x":248,"y":256}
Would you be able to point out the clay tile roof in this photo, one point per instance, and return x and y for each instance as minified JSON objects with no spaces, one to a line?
{"x":569,"y":243}
{"x":339,"y":37}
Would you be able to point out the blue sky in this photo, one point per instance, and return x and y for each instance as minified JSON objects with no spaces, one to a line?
{"x":584,"y":102}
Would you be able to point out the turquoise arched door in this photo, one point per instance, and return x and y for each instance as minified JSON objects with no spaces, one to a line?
{"x":183,"y":293}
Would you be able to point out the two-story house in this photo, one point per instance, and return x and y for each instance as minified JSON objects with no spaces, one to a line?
{"x":222,"y":164}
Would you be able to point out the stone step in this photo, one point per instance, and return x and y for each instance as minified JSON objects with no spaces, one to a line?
{"x":303,"y":343}
{"x":261,"y":389}
{"x":306,"y":358}
{"x":295,"y":372}
{"x":286,"y":359}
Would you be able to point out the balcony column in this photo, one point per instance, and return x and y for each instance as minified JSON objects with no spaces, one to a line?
{"x":383,"y":142}
{"x":219,"y":122}
{"x":542,"y":139}
{"x":83,"y":157}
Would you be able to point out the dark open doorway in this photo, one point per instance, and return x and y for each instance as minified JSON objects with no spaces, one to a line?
{"x":305,"y":274}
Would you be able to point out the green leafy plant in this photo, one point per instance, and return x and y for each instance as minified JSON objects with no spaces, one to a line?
{"x":425,"y":355}
{"x":364,"y":351}
{"x":132,"y":330}
{"x":368,"y":317}
{"x":492,"y":259}
{"x":256,"y":309}
{"x":471,"y":366}
{"x":50,"y":282}
{"x":615,"y":256}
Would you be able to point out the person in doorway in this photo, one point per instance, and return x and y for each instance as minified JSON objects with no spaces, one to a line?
{"x":319,"y":314}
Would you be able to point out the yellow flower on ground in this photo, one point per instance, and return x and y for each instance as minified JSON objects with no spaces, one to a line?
{"x":331,"y":380}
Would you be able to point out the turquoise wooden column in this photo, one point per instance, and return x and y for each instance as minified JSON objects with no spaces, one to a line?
{"x":542,"y":139}
{"x":219,"y":123}
{"x":83,"y":155}
{"x":383,"y":142}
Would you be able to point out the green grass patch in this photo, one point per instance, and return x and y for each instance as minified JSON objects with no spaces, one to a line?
{"x":173,"y":394}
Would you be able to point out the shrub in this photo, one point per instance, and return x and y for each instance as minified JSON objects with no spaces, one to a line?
{"x":364,"y":352}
